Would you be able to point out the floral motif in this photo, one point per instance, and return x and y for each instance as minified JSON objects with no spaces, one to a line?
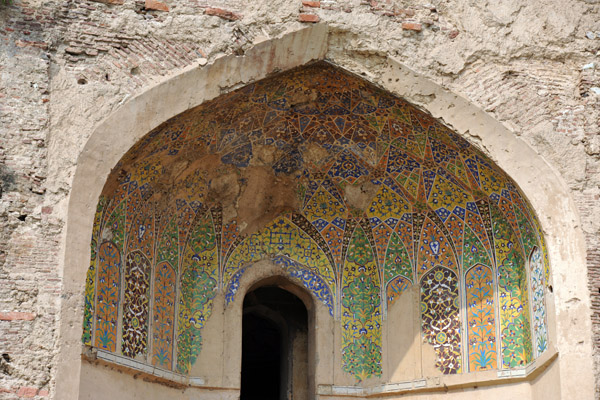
{"x":440,"y":315}
{"x":385,"y":197}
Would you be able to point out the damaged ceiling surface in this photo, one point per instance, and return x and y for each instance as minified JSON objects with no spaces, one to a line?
{"x":355,"y":193}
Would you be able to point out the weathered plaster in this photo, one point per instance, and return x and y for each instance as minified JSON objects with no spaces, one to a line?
{"x":550,"y":197}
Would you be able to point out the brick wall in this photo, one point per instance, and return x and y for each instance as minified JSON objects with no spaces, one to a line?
{"x":29,"y":276}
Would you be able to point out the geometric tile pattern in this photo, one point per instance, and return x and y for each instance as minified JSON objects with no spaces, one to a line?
{"x":386,"y":197}
{"x":311,"y":281}
{"x":282,"y":237}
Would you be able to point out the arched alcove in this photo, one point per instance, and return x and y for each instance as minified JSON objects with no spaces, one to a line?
{"x":329,"y":293}
{"x":355,"y":194}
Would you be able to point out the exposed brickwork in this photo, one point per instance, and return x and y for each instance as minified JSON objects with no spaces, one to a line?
{"x":156,"y":5}
{"x":562,"y":101}
{"x":24,"y":392}
{"x":119,"y":55}
{"x":29,"y":275}
{"x":117,"y":2}
{"x":308,"y":18}
{"x":412,"y":26}
{"x":315,"y":4}
{"x":225,"y":14}
{"x":16,"y":316}
{"x":27,"y":392}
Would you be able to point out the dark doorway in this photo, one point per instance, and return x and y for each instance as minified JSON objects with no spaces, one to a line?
{"x":274,"y":346}
{"x":261,"y":358}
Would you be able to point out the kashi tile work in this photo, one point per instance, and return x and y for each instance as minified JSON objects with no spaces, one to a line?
{"x":171,"y":231}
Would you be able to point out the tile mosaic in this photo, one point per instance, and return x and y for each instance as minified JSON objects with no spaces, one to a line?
{"x":481,"y":321}
{"x":540,"y":330}
{"x":136,"y":304}
{"x":361,"y":309}
{"x":165,"y":286}
{"x":90,"y":279}
{"x":107,"y":296}
{"x":440,"y":317}
{"x":387,"y":198}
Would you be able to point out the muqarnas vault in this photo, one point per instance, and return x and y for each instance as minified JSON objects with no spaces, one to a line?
{"x":441,"y":217}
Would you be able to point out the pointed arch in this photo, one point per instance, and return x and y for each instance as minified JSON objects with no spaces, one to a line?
{"x":92,"y":170}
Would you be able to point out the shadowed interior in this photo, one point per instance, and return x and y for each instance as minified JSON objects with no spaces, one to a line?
{"x":274,"y":323}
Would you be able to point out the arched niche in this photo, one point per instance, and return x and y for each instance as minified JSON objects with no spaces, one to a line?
{"x":344,"y":187}
{"x":334,"y":376}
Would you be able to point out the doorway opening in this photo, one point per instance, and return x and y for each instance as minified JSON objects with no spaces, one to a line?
{"x":274,"y":346}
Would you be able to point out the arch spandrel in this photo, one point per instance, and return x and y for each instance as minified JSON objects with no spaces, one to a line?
{"x":372,"y":194}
